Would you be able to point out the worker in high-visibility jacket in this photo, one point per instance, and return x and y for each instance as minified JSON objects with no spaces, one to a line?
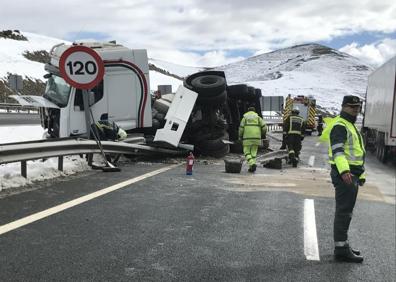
{"x":294,"y":128}
{"x":251,"y":130}
{"x":346,"y":156}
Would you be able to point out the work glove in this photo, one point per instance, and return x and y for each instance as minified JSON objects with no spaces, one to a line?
{"x":362,"y":181}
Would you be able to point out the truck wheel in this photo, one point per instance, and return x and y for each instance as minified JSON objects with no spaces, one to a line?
{"x":236,"y":91}
{"x":214,"y":100}
{"x":218,"y":153}
{"x":381,"y":148}
{"x":251,"y":94}
{"x":208,"y":84}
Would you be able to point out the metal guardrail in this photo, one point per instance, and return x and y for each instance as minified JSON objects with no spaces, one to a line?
{"x":273,"y":122}
{"x":14,"y":107}
{"x":280,"y":154}
{"x":41,"y":149}
{"x":274,"y":126}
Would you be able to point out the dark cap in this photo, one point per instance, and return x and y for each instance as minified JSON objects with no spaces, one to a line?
{"x":351,"y":100}
{"x":253,"y":109}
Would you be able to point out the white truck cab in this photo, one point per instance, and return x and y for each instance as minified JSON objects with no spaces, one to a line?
{"x":123,"y":94}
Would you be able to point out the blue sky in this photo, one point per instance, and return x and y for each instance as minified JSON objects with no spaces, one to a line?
{"x":211,"y":33}
{"x":362,"y":38}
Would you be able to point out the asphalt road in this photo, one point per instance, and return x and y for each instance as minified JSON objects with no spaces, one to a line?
{"x":18,"y":119}
{"x":211,"y":226}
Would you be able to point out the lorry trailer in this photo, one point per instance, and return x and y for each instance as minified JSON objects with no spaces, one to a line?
{"x":379,"y":120}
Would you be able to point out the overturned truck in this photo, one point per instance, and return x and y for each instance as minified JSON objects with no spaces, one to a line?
{"x":206,"y":112}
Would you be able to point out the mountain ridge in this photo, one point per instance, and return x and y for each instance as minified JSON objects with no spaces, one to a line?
{"x":305,"y":69}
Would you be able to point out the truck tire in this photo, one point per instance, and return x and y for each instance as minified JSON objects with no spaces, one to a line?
{"x":218,"y":153}
{"x":187,"y":81}
{"x":236,"y":91}
{"x":213,"y":100}
{"x":234,"y":111}
{"x":251,"y":94}
{"x":381,"y":148}
{"x":208,"y":84}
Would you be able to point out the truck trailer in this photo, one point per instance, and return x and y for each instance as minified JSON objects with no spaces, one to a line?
{"x":379,"y":121}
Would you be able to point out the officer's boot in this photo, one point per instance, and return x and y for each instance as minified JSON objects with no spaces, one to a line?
{"x":346,"y":254}
{"x":295,"y":162}
{"x":253,"y":167}
{"x":291,"y":158}
{"x":355,"y":251}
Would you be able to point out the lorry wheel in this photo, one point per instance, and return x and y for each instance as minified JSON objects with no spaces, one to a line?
{"x":214,"y":100}
{"x":208,"y":84}
{"x":211,"y":141}
{"x":381,"y":148}
{"x":383,"y":154}
{"x":218,"y":153}
{"x":187,"y":81}
{"x":251,"y":93}
{"x":203,"y":126}
{"x":237,"y":90}
{"x":234,"y":111}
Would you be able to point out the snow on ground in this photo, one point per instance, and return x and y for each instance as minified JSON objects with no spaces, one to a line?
{"x":10,"y":174}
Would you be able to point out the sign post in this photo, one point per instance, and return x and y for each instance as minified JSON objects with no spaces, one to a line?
{"x":82,"y":68}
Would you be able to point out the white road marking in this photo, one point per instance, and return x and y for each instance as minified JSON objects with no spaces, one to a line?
{"x":317,"y":144}
{"x":311,"y":250}
{"x":40,"y":215}
{"x":311,"y":161}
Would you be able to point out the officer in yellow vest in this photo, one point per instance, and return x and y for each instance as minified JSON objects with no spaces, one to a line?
{"x":251,"y":130}
{"x":346,"y":156}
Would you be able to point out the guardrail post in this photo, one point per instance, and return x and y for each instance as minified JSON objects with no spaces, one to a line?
{"x":23,"y":169}
{"x":89,"y":159}
{"x":60,"y":163}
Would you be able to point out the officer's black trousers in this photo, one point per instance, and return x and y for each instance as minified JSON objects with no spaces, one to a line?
{"x":345,"y":198}
{"x":294,"y":145}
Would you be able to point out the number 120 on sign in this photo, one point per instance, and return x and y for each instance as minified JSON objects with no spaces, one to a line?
{"x":81,"y":68}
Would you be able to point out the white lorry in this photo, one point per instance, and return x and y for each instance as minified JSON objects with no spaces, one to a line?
{"x":379,"y":122}
{"x":123,"y":96}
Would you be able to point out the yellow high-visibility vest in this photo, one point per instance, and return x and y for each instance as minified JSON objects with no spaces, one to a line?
{"x":354,"y":151}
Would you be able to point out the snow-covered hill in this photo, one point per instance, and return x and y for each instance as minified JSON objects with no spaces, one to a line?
{"x":309,"y":69}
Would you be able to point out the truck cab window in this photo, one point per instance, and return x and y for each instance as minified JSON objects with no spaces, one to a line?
{"x":57,"y":91}
{"x":98,"y":93}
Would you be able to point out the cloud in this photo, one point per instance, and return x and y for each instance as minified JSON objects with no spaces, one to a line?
{"x":374,"y":54}
{"x":208,"y":29}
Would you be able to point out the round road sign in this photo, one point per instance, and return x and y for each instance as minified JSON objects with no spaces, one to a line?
{"x":81,"y":67}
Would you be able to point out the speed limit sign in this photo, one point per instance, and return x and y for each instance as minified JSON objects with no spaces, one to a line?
{"x":81,"y":67}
